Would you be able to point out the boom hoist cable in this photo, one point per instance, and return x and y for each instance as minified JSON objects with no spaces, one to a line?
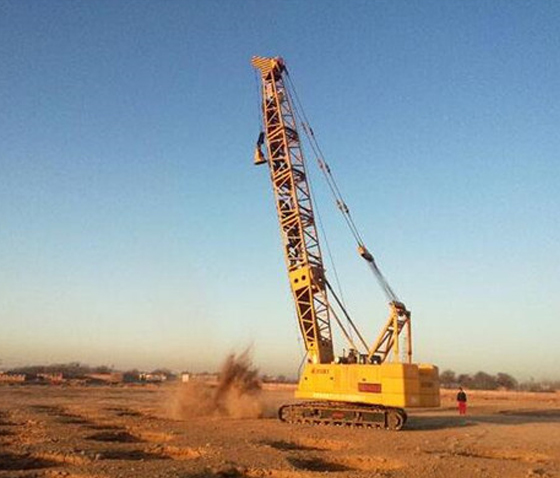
{"x":339,"y":200}
{"x":399,"y":318}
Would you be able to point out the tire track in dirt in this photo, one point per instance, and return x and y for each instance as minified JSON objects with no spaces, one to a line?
{"x":5,"y":419}
{"x":306,"y":444}
{"x":7,"y":429}
{"x":23,"y":461}
{"x":103,"y":433}
{"x":314,"y":455}
{"x":155,"y":449}
{"x":500,"y":454}
{"x":119,"y":436}
{"x":60,"y":414}
{"x":24,"y":430}
{"x":130,"y":454}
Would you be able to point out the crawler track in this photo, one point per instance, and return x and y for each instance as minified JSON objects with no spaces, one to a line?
{"x":343,"y":414}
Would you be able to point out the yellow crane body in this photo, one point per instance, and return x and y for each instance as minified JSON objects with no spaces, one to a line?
{"x":401,"y":385}
{"x":368,"y":388}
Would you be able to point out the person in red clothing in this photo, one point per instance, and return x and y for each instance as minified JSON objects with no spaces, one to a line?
{"x":462,"y":401}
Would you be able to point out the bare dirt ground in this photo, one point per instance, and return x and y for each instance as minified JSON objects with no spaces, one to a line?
{"x":118,"y":431}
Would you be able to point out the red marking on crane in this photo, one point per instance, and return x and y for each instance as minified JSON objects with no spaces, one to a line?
{"x":369,"y":387}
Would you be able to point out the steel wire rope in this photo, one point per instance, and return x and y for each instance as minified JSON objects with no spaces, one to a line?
{"x":259,"y":99}
{"x":297,"y":107}
{"x":320,"y":221}
{"x":324,"y":167}
{"x":329,"y":250}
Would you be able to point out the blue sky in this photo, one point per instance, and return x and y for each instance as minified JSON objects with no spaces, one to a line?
{"x":136,"y":232}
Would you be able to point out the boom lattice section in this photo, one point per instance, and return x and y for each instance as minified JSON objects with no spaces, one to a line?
{"x":295,"y":211}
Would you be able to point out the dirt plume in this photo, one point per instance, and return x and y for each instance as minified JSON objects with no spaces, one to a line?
{"x":236,"y":394}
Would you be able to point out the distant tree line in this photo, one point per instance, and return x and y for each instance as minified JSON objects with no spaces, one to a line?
{"x":448,"y":378}
{"x":277,"y":379}
{"x":500,"y":381}
{"x":73,"y":370}
{"x":77,"y":370}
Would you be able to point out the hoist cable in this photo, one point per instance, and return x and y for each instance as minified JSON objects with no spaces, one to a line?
{"x":324,"y":166}
{"x":383,"y":282}
{"x":259,"y":99}
{"x":341,"y":204}
{"x":350,"y":321}
{"x":348,"y":336}
{"x":319,"y":220}
{"x":329,"y":251}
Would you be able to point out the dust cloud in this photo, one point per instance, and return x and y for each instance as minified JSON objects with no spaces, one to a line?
{"x":237,"y":393}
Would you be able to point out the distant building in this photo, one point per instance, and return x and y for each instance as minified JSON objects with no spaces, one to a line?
{"x":113,"y":377}
{"x":51,"y":377}
{"x":153,"y":377}
{"x":185,"y":377}
{"x":12,"y":377}
{"x":210,"y":378}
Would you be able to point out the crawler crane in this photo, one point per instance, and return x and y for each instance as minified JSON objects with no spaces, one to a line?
{"x":368,"y":385}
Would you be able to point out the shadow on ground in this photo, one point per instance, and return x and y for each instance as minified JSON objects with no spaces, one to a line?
{"x":505,"y":417}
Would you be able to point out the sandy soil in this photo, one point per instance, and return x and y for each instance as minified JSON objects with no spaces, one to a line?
{"x":87,"y":432}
